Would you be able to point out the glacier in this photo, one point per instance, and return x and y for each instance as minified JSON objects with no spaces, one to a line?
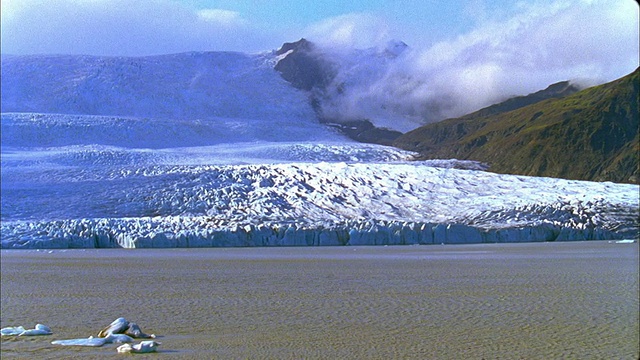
{"x":304,"y":204}
{"x":215,"y":149}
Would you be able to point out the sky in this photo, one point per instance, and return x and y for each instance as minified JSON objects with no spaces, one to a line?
{"x":482,"y":50}
{"x":132,"y":27}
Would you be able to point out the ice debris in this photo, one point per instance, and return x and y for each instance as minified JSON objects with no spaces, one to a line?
{"x":143,"y":347}
{"x":95,"y":342}
{"x":119,"y":331}
{"x":21,"y":331}
{"x":122,"y":326}
{"x":624,"y":241}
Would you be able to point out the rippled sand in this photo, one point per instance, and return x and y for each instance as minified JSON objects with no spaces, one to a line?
{"x":545,"y":300}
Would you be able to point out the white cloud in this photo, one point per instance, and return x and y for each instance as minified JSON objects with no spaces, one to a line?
{"x":595,"y":40}
{"x":583,"y":40}
{"x":221,"y":16}
{"x":355,"y":30}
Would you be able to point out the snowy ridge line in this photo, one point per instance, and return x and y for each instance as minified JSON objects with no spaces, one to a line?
{"x":170,"y":233}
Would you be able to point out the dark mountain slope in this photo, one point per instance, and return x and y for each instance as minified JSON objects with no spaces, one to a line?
{"x":590,"y":135}
{"x":305,"y":67}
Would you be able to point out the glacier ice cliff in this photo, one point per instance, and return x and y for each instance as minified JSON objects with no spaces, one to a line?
{"x":149,"y":233}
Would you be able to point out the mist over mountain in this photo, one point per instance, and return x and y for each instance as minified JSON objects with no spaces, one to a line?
{"x":322,"y":75}
{"x":346,"y":90}
{"x":342,"y":84}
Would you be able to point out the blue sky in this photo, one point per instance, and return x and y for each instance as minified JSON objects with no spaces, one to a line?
{"x":31,"y":26}
{"x":133,"y":27}
{"x":419,"y":20}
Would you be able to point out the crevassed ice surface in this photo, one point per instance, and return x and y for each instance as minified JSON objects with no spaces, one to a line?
{"x":215,"y":149}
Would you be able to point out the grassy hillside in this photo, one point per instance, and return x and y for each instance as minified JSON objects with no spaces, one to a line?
{"x":590,"y":135}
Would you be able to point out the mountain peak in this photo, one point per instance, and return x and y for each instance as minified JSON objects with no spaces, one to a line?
{"x":559,"y":89}
{"x":395,"y":47}
{"x":301,"y":66}
{"x":300,"y":45}
{"x":553,"y":91}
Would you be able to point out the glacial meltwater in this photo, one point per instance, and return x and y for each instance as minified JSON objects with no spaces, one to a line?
{"x":494,"y":301}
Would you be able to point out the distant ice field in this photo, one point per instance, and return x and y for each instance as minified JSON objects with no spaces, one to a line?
{"x":188,"y":86}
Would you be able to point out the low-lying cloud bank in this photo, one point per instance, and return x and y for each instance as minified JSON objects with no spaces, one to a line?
{"x":588,"y":42}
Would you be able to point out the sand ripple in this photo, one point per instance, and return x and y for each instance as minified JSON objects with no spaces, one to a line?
{"x":564,"y":300}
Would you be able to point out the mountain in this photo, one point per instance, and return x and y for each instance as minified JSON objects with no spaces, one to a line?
{"x":308,"y":68}
{"x":198,"y":85}
{"x":303,"y":65}
{"x":589,"y":135}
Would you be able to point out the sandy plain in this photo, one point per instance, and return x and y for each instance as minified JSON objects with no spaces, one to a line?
{"x":490,"y":301}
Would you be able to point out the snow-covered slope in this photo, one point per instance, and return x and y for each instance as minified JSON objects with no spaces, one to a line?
{"x":215,"y":149}
{"x":185,"y":86}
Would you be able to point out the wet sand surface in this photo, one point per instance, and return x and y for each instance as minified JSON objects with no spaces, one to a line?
{"x":506,"y":301}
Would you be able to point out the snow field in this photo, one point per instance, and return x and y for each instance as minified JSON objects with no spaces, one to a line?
{"x":187,"y":86}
